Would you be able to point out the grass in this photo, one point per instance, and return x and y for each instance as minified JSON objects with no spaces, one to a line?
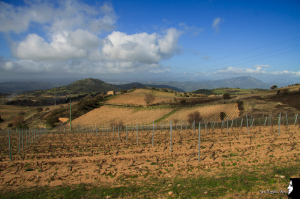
{"x":247,"y":181}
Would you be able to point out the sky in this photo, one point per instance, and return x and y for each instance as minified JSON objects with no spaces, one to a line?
{"x":157,"y":40}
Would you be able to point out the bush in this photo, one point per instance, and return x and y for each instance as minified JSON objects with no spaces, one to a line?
{"x":39,"y":109}
{"x":273,"y":87}
{"x":284,"y":91}
{"x":175,"y":99}
{"x":21,"y":113}
{"x":278,"y":92}
{"x":182,"y":101}
{"x":47,"y":109}
{"x":123,"y":91}
{"x":222,"y":115}
{"x":133,"y":88}
{"x":116,"y":124}
{"x":51,"y":121}
{"x":19,"y":123}
{"x":149,"y":98}
{"x":61,"y":106}
{"x":99,"y":97}
{"x":88,"y":97}
{"x":9,"y":125}
{"x":1,"y":119}
{"x":194,"y":116}
{"x":226,"y":96}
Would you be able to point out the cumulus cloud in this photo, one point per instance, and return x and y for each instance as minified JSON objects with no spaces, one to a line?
{"x":69,"y":15}
{"x":216,"y":23}
{"x":72,"y":43}
{"x":36,"y":48}
{"x":141,"y":47}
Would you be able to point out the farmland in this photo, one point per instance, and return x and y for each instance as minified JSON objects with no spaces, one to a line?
{"x":86,"y":157}
{"x":124,"y":164}
{"x":107,"y":114}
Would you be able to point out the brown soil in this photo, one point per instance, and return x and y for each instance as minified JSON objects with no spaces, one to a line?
{"x":106,"y":114}
{"x":75,"y":158}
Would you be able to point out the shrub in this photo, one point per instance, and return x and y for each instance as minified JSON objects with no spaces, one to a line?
{"x":175,"y":121}
{"x":47,"y":109}
{"x":226,"y":96}
{"x":1,"y":119}
{"x":123,"y":91}
{"x":19,"y":123}
{"x":273,"y":87}
{"x":222,"y":115}
{"x":153,"y":88}
{"x":51,"y":121}
{"x":116,"y":124}
{"x":39,"y":109}
{"x":133,"y":88}
{"x":149,"y":98}
{"x":61,"y":106}
{"x":9,"y":125}
{"x":175,"y":99}
{"x":99,"y":97}
{"x":278,"y":92}
{"x":182,"y":101}
{"x":194,"y":116}
{"x":88,"y":97}
{"x":284,"y":91}
{"x":21,"y":113}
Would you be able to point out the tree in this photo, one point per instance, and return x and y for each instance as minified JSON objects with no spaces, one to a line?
{"x":123,"y":91}
{"x":226,"y":96}
{"x":51,"y":121}
{"x":222,"y":115}
{"x":19,"y":123}
{"x":149,"y":98}
{"x":175,"y":121}
{"x":194,"y":116}
{"x":273,"y":87}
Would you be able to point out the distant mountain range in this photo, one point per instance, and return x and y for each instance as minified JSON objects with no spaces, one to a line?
{"x":95,"y":85}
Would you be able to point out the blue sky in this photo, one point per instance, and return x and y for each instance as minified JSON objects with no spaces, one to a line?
{"x":150,"y":40}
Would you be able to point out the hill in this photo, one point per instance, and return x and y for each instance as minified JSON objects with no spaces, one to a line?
{"x":243,"y":82}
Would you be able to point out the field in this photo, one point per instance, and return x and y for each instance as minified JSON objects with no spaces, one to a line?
{"x":209,"y":113}
{"x":107,"y":114}
{"x":135,"y":99}
{"x":59,"y":159}
{"x":9,"y":112}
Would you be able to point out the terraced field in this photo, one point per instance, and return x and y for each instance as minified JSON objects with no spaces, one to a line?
{"x":131,"y":99}
{"x":107,"y":114}
{"x":208,"y":112}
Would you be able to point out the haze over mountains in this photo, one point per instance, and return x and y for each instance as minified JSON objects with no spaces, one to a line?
{"x":244,"y":82}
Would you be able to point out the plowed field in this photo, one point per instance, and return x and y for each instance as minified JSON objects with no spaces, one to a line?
{"x":135,"y":99}
{"x":75,"y":158}
{"x":106,"y":114}
{"x":209,"y":112}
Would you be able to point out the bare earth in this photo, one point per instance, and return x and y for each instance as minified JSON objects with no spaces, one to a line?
{"x":58,"y":159}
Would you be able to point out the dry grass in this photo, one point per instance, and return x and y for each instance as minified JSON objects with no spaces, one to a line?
{"x":155,"y":93}
{"x":135,"y":100}
{"x":105,"y":115}
{"x":209,"y":113}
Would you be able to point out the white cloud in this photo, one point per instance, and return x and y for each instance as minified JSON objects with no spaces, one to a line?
{"x":260,"y":70}
{"x":69,"y":15}
{"x":36,"y":48}
{"x":162,"y":70}
{"x":262,"y":66}
{"x":216,"y":23}
{"x":194,"y":30}
{"x":141,"y":47}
